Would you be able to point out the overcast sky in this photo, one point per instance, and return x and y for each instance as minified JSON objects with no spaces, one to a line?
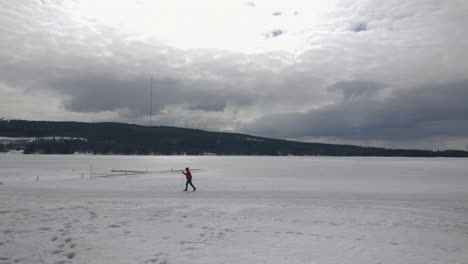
{"x":388,"y":73}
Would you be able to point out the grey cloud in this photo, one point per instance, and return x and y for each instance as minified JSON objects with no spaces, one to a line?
{"x":355,"y":90}
{"x":98,"y":69}
{"x":109,"y":93}
{"x":425,"y":111}
{"x":274,"y":33}
{"x":360,"y":27}
{"x":277,"y":13}
{"x":209,"y":106}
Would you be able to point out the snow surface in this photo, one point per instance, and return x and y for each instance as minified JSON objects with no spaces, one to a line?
{"x":246,"y":210}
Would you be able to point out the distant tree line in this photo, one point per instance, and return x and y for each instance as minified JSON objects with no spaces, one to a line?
{"x":129,"y":139}
{"x":54,"y":146}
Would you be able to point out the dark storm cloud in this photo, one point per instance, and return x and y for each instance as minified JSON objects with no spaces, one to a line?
{"x":92,"y":89}
{"x":425,"y":111}
{"x":92,"y":93}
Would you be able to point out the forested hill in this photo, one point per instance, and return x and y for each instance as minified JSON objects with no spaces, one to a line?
{"x":118,"y":138}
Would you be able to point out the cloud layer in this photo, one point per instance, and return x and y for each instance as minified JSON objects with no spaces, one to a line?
{"x":341,"y":71}
{"x":432,"y":110}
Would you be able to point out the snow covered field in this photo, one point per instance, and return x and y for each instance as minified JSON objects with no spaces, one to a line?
{"x":246,"y":210}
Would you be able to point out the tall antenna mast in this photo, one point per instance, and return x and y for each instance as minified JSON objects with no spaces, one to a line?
{"x":151,"y":100}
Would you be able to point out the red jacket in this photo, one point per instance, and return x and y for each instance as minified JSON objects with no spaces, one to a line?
{"x":188,"y":175}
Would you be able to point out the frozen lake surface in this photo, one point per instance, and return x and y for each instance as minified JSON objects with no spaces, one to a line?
{"x":245,"y":210}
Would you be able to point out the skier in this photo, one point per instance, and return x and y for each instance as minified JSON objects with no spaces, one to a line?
{"x":188,"y":176}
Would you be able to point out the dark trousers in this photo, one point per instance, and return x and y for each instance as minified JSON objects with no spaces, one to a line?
{"x":189,"y":182}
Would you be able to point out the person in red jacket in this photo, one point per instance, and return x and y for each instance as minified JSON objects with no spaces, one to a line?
{"x":188,"y":176}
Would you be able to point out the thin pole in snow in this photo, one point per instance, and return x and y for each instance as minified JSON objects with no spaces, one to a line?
{"x":151,"y":101}
{"x":181,"y":181}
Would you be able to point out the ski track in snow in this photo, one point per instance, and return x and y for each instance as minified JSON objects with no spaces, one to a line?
{"x":247,"y":215}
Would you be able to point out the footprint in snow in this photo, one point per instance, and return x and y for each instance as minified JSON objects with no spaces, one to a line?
{"x":57,"y":251}
{"x":151,"y":260}
{"x":71,"y":255}
{"x":92,"y":215}
{"x":294,"y":233}
{"x":156,"y":259}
